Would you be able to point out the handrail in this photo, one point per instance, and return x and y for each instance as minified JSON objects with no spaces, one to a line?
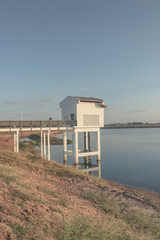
{"x":37,"y":123}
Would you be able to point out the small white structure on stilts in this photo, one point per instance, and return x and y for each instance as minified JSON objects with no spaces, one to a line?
{"x":89,"y":114}
{"x":79,"y":115}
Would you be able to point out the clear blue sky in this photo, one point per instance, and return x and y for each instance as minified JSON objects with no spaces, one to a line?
{"x":108,"y":49}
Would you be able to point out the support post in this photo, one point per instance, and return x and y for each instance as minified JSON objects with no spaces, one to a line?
{"x":44,"y":144}
{"x":98,"y":145}
{"x":76,"y":148}
{"x":49,"y":151}
{"x":89,"y":141}
{"x":99,"y":171}
{"x":41,"y":142}
{"x":65,"y":147}
{"x":14,"y":136}
{"x":89,"y":148}
{"x":17,"y":142}
{"x":86,"y":148}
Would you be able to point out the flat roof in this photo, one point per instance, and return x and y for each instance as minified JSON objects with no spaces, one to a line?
{"x":89,"y":99}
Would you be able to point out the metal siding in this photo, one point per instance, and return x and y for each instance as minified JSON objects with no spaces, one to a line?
{"x":91,"y":120}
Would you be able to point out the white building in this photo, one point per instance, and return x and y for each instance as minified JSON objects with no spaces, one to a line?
{"x":89,"y":114}
{"x":87,"y":111}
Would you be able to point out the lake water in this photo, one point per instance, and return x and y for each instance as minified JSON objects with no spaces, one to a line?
{"x":128,"y":156}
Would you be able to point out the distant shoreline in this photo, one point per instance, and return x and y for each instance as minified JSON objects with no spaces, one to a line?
{"x":118,"y":126}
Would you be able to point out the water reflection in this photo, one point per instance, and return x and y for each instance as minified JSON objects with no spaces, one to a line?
{"x":128,"y":156}
{"x":132,"y":157}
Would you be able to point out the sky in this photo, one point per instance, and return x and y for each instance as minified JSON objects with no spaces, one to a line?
{"x":109,"y":49}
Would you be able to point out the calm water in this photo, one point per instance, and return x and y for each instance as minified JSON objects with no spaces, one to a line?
{"x":128,"y":156}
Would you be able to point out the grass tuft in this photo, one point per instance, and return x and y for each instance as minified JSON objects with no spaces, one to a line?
{"x":83,"y":228}
{"x":48,"y":192}
{"x":18,"y":230}
{"x":5,"y":175}
{"x":17,"y":194}
{"x":134,"y":220}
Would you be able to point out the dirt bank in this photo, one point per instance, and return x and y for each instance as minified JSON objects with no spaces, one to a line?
{"x":44,"y":200}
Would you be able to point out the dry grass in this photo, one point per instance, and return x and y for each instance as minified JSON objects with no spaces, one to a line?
{"x":42,"y":199}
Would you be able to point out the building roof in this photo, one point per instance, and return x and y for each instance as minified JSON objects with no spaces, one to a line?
{"x":89,"y":99}
{"x":86,"y":99}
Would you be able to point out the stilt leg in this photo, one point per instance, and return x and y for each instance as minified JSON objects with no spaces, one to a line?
{"x":98,"y":145}
{"x":89,"y":141}
{"x":49,"y":151}
{"x":86,"y":148}
{"x":17,"y":142}
{"x":44,"y":142}
{"x":41,"y":142}
{"x":76,"y":148}
{"x":65,"y":148}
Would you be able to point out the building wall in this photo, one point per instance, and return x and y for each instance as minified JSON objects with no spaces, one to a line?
{"x":90,"y":114}
{"x":87,"y":114}
{"x":69,"y":106}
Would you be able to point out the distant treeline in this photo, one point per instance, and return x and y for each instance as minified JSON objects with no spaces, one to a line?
{"x":132,"y":125}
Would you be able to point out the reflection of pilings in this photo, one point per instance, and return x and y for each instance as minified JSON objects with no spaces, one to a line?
{"x":77,"y":166}
{"x":93,"y":169}
{"x":64,"y":162}
{"x":89,"y":141}
{"x":99,"y":153}
{"x":85,"y":149}
{"x":86,"y":160}
{"x":90,"y":160}
{"x":65,"y":147}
